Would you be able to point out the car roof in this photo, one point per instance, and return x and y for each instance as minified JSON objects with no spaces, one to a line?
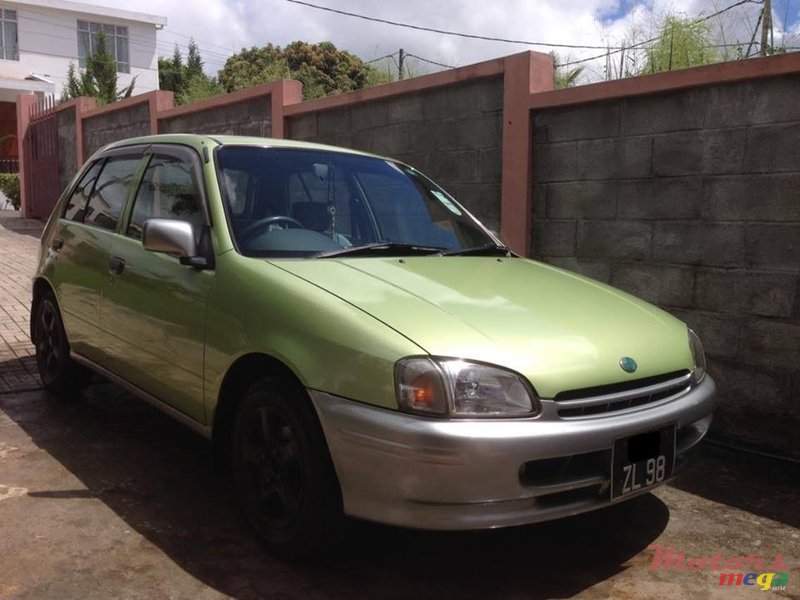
{"x":197,"y":141}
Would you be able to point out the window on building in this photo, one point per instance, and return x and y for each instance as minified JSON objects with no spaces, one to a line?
{"x":116,"y":43}
{"x":9,"y":49}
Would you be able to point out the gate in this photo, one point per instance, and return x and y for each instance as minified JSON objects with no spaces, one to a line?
{"x":40,"y":153}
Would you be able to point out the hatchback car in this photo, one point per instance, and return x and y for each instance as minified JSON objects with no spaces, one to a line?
{"x":354,"y":342}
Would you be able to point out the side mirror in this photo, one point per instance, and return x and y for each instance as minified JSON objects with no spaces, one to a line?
{"x":170,"y":237}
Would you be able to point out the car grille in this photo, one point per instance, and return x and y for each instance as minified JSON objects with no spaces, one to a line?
{"x":600,"y":400}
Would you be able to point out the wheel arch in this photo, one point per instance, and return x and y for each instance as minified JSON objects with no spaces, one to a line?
{"x":242,"y":373}
{"x":41,"y":286}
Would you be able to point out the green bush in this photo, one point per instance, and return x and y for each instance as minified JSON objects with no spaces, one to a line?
{"x":9,"y":185}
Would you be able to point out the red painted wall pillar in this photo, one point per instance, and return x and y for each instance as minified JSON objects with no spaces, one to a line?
{"x":25,"y":104}
{"x":284,"y":93}
{"x":525,"y":74}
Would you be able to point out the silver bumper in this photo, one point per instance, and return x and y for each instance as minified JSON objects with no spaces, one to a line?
{"x":435,"y":474}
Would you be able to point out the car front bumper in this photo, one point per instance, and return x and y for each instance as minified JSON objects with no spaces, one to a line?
{"x":427,"y":473}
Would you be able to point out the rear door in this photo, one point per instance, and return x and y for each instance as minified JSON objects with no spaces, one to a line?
{"x":154,"y":308}
{"x":82,"y":243}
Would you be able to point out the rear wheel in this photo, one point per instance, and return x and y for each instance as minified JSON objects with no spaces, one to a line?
{"x":283,"y":470}
{"x":58,"y":372}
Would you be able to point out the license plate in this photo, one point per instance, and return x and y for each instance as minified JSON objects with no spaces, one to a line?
{"x":642,"y":461}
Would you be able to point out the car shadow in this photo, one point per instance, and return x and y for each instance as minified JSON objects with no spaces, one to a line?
{"x":760,"y":485}
{"x":156,"y":475}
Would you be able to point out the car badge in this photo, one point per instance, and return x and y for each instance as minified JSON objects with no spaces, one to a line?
{"x":628,"y":364}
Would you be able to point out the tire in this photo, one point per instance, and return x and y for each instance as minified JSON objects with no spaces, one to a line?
{"x":283,"y":471}
{"x":58,"y":372}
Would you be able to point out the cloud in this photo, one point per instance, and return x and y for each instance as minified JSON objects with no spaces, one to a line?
{"x":223,"y":27}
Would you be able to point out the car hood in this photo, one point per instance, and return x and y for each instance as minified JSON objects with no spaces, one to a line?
{"x":562,"y":331}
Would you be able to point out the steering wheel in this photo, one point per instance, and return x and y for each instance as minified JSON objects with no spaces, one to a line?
{"x":256,"y":227}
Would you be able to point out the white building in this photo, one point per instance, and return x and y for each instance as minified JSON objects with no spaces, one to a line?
{"x":40,"y":38}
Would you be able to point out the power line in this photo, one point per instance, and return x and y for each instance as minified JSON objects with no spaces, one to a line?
{"x":446,"y":32}
{"x":610,"y":50}
{"x":433,"y":62}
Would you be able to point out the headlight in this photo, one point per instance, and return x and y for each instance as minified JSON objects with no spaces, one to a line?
{"x":459,"y":388}
{"x":699,"y":357}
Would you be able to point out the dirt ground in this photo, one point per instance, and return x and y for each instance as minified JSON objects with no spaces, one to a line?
{"x":104,"y":497}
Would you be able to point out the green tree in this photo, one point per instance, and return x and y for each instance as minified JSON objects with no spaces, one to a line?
{"x":187,"y":81}
{"x":194,"y":63}
{"x":682,"y":42}
{"x":171,"y":74}
{"x":99,"y":79}
{"x":322,"y":68}
{"x":562,"y":76}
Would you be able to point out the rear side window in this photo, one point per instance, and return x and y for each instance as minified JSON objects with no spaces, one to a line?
{"x":111,"y":191}
{"x":76,"y":206}
{"x":168,"y":190}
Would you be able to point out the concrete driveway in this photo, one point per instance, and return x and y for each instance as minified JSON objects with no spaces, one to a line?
{"x":104,"y":497}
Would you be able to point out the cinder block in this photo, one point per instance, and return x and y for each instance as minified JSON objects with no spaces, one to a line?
{"x":614,"y":239}
{"x":482,"y":200}
{"x":553,"y":238}
{"x":455,"y":165}
{"x":406,"y":108}
{"x":582,"y":200}
{"x":719,"y":333}
{"x":661,"y":198}
{"x":730,"y":104}
{"x":771,"y":342}
{"x":678,"y":154}
{"x":659,"y":284}
{"x":614,"y":158}
{"x":594,"y":269}
{"x":490,"y":161}
{"x":489,"y":94}
{"x":555,"y":162}
{"x":369,"y":115}
{"x":541,"y":192}
{"x":485,"y":131}
{"x":599,"y":120}
{"x":749,"y":389}
{"x":723,"y":150}
{"x":752,"y":197}
{"x":773,"y":148}
{"x":677,"y":111}
{"x":699,"y":244}
{"x":774,"y":246}
{"x":303,"y":127}
{"x":333,"y":121}
{"x":746,"y":292}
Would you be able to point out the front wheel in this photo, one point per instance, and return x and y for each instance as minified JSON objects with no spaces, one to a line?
{"x":283,"y":470}
{"x":58,"y":372}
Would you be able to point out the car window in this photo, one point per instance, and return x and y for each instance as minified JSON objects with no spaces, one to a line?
{"x":111,"y":191}
{"x":168,"y":190}
{"x":76,"y":205}
{"x":304,"y":203}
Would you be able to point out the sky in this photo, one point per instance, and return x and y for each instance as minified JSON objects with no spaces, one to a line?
{"x":222,"y":27}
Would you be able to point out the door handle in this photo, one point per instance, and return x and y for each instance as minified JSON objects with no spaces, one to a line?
{"x":57,"y":244}
{"x":116,"y":265}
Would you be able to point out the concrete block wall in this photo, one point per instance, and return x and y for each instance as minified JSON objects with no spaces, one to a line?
{"x":110,"y":126}
{"x":67,"y":121}
{"x":452,"y":134}
{"x":248,"y":117}
{"x":691,"y":200}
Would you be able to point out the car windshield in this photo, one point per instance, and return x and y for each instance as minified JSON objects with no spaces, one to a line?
{"x":309,"y":203}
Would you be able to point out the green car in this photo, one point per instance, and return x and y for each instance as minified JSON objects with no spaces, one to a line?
{"x":354,"y":342}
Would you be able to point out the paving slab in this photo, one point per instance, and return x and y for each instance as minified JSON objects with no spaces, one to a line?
{"x":101,"y":496}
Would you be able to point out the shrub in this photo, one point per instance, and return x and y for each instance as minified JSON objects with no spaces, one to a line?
{"x":9,"y":185}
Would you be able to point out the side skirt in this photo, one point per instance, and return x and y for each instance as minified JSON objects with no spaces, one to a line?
{"x":203,"y":430}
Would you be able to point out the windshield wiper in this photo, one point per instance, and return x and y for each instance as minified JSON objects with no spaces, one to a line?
{"x":387,"y":248}
{"x":488,"y":250}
